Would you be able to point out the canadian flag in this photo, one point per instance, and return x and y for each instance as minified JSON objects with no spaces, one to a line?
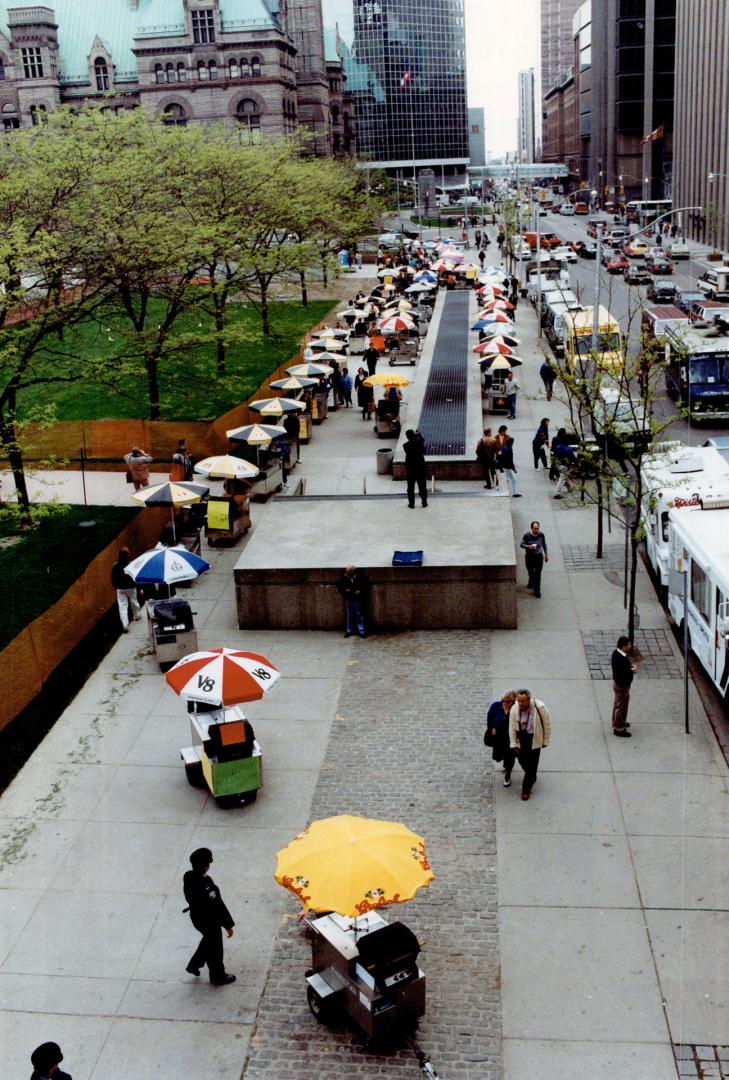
{"x":405,"y":79}
{"x":657,"y":134}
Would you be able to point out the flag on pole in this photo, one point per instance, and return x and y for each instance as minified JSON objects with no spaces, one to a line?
{"x":652,"y":136}
{"x":406,"y":79}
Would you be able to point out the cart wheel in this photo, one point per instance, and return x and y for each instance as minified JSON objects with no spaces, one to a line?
{"x":279,"y":488}
{"x":320,"y":1009}
{"x":227,"y":802}
{"x":194,"y":774}
{"x":392,"y":363}
{"x":250,"y":797}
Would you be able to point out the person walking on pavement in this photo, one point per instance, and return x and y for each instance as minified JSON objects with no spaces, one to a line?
{"x":370,"y":357}
{"x":45,"y":1060}
{"x":182,"y":468}
{"x":534,"y":543}
{"x":353,"y":586}
{"x":345,"y":387}
{"x":548,"y":375}
{"x":530,"y":729}
{"x":486,"y":450}
{"x":496,"y":734}
{"x":623,"y":671}
{"x":513,"y":386}
{"x":477,"y":238}
{"x":414,"y":448}
{"x":126,"y":589}
{"x":482,"y":257}
{"x":138,"y":462}
{"x":540,"y":442}
{"x":505,"y":460}
{"x":209,"y":916}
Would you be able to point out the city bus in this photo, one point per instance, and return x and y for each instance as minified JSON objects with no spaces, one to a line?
{"x":644,"y":211}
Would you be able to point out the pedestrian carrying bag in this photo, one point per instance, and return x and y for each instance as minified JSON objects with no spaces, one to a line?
{"x":129,"y":478}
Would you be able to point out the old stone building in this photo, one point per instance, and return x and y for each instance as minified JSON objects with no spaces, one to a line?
{"x":259,"y":64}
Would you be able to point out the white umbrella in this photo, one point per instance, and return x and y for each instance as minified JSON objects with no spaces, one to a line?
{"x":166,"y":565}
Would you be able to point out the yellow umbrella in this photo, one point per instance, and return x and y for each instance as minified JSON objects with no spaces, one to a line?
{"x":352,"y":865}
{"x":386,"y":378}
{"x":275,"y":406}
{"x":226,"y":467}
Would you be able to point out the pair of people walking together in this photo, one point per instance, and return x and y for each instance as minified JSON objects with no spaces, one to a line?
{"x":518,"y":728}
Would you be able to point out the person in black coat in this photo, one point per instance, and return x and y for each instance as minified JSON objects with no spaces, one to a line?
{"x":370,"y":357}
{"x":209,"y":916}
{"x":45,"y":1060}
{"x":623,"y":671}
{"x":353,"y":587}
{"x":414,"y":448}
{"x":497,"y":733}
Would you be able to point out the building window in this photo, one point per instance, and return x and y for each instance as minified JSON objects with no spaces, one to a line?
{"x":213,"y":67}
{"x":249,"y":121}
{"x":174,"y":116}
{"x":203,"y":26}
{"x":233,"y":69}
{"x":181,"y":73}
{"x":170,"y":73}
{"x":9,"y":115}
{"x":202,"y":71}
{"x":255,"y":67}
{"x":159,"y":73}
{"x":101,"y":71}
{"x":37,"y":115}
{"x":244,"y":69}
{"x":2,"y":69}
{"x":32,"y":63}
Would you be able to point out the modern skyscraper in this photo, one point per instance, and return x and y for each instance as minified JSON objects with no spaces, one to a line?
{"x":557,"y":40}
{"x":476,"y":137}
{"x":701,"y":134}
{"x":405,"y":63}
{"x":525,"y":141}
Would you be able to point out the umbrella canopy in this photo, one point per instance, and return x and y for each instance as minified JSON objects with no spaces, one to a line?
{"x":347,"y":311}
{"x":387,"y":378}
{"x":256,"y":434}
{"x":388,"y":271}
{"x":395,"y":323}
{"x":331,"y":331}
{"x":223,"y":677}
{"x":352,"y":865}
{"x":331,"y":344}
{"x":171,"y":494}
{"x":309,"y":370}
{"x":505,"y":362}
{"x":292,"y":384}
{"x":420,"y":287}
{"x":327,"y":356}
{"x":425,"y":275}
{"x":167,"y":566}
{"x":226,"y":467}
{"x":500,"y":304}
{"x":505,"y":330}
{"x":493,"y":348}
{"x":276,"y":406}
{"x":494,"y":316}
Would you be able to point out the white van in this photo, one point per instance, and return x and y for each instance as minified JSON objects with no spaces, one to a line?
{"x":714,"y":282}
{"x":567,"y":209}
{"x":674,"y":478}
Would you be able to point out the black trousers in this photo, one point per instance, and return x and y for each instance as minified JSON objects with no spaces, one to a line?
{"x":420,"y":479}
{"x":529,"y":760}
{"x":210,"y":952}
{"x":540,"y":454}
{"x":534,"y":564}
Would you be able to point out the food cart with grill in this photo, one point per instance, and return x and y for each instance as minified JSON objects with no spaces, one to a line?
{"x":367,"y":968}
{"x":224,"y":755}
{"x":171,"y":630}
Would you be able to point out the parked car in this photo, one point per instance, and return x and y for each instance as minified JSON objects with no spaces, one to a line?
{"x":679,"y":249}
{"x":637,"y":274}
{"x":686,"y":297}
{"x":617,"y":263}
{"x":588,"y":250}
{"x":567,"y":209}
{"x":542,"y":210}
{"x":616,"y":236}
{"x":592,"y":224}
{"x":565,"y":251}
{"x":662,"y":292}
{"x":582,"y":207}
{"x":657,"y":262}
{"x":635,"y":249}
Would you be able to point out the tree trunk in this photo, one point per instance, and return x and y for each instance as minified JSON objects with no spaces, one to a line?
{"x":151,"y":364}
{"x":324,"y":274}
{"x":633,"y":581}
{"x":598,"y":487}
{"x":304,"y":293}
{"x":219,"y":340}
{"x":265,"y":318}
{"x":15,"y":457}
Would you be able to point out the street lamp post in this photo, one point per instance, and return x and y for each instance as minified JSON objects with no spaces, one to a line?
{"x":598,"y":262}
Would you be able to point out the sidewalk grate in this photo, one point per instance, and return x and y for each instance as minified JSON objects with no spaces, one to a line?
{"x":701,"y":1062}
{"x":582,"y":557}
{"x":657,"y":660}
{"x":443,"y":415}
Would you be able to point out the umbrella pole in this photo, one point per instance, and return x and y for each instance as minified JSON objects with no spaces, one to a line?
{"x":174,"y":537}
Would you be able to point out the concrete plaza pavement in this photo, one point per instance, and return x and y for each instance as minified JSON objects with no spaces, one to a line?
{"x":612,"y":937}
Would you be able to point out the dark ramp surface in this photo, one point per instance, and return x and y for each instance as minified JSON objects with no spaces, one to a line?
{"x":443,"y":416}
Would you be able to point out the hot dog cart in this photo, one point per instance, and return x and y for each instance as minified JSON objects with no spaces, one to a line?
{"x":171,"y":630}
{"x":224,"y":755}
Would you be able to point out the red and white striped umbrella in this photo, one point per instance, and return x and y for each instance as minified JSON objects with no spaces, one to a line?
{"x":493,"y":348}
{"x":502,"y":305}
{"x":395,"y":323}
{"x":223,"y":677}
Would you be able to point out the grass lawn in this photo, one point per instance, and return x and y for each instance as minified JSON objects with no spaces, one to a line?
{"x":37,"y":569}
{"x":190,"y":388}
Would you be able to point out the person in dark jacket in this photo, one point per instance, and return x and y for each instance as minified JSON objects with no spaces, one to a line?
{"x":365,"y":394}
{"x":623,"y":671}
{"x":353,"y":586}
{"x":209,"y":916}
{"x":534,"y":544}
{"x":548,"y":375}
{"x":45,"y":1060}
{"x":414,"y":448}
{"x":292,"y":428}
{"x":370,"y":357}
{"x":126,"y":589}
{"x":497,"y":733}
{"x":540,"y":442}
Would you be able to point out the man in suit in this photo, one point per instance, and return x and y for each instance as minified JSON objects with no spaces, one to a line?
{"x":209,"y":916}
{"x":623,"y":672}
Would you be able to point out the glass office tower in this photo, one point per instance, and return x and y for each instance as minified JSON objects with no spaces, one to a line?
{"x":405,"y":63}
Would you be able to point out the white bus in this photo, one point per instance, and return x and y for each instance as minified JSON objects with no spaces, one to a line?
{"x":673,"y":478}
{"x":698,"y":546}
{"x":646,"y":210}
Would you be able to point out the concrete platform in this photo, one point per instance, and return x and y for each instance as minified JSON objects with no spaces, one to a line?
{"x":286,"y":577}
{"x":451,"y":466}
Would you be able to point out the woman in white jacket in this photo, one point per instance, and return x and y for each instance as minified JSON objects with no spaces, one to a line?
{"x":529,"y":732}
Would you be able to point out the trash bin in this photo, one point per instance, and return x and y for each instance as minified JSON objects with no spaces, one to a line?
{"x":384,"y":461}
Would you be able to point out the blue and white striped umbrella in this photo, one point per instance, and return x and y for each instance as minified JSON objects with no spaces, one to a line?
{"x":166,"y":565}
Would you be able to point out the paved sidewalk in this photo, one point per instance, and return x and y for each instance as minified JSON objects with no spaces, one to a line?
{"x":612,"y":938}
